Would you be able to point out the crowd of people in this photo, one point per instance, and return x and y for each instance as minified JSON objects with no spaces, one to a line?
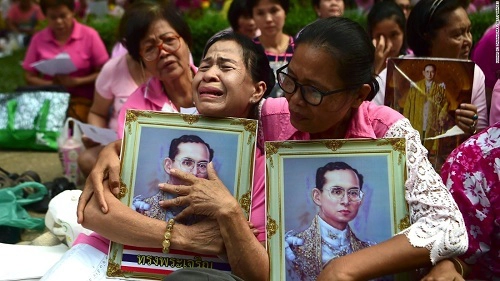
{"x":325,"y":82}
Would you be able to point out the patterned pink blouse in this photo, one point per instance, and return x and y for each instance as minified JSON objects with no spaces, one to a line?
{"x":472,"y":173}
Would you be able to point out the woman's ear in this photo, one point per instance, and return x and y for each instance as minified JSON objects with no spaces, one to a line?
{"x":361,"y":95}
{"x":260,"y":89}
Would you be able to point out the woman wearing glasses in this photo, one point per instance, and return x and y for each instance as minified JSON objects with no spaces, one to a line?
{"x":325,"y":86}
{"x":338,"y":196}
{"x":159,"y":39}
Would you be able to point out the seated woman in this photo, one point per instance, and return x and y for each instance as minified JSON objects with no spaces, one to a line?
{"x":386,"y":24}
{"x":270,"y":16}
{"x":325,"y":86}
{"x":118,"y":79}
{"x":83,"y":45}
{"x":239,"y":70}
{"x":441,"y":29}
{"x":22,"y":18}
{"x":471,"y":174}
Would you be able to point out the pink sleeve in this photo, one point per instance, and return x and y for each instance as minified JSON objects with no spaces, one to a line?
{"x":104,"y":80}
{"x":135,"y":101}
{"x":495,"y":104}
{"x":479,"y":97}
{"x":258,"y":210}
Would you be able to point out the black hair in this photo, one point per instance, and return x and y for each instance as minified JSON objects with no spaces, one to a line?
{"x":254,"y":58}
{"x":348,"y":44}
{"x":237,"y":9}
{"x":425,"y":19}
{"x":335,"y":166}
{"x":174,"y":145}
{"x":285,"y":5}
{"x":48,"y":4}
{"x":139,"y":17}
{"x":387,"y":10}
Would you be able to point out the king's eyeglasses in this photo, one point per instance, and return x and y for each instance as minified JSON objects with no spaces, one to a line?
{"x":189,"y":164}
{"x":310,"y":94}
{"x":169,"y":43}
{"x":338,"y":193}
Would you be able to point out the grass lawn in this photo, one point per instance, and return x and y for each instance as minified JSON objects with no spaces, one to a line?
{"x":11,"y":72}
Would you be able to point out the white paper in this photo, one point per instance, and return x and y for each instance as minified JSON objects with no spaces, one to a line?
{"x":25,"y":262}
{"x":454,"y":131}
{"x":61,"y":64}
{"x":97,"y":134}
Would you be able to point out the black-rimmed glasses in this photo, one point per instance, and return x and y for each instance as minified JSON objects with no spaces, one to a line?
{"x":310,"y":94}
{"x":170,"y":43}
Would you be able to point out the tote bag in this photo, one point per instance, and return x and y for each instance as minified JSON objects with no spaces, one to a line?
{"x":32,"y":120}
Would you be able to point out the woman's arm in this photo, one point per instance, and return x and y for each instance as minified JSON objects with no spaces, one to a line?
{"x":392,"y":256}
{"x":124,"y":225}
{"x":436,"y":222}
{"x":32,"y":78}
{"x":247,"y":256}
{"x":99,"y":111}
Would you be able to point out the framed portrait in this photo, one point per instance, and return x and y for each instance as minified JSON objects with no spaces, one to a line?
{"x":427,"y":91}
{"x":155,"y":142}
{"x":329,"y":198}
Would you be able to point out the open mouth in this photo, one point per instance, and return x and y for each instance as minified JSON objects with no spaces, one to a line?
{"x":210,"y":92}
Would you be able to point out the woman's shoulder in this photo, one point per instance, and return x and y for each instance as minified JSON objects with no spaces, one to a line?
{"x":274,"y":106}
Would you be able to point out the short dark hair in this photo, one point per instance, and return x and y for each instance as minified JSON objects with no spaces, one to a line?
{"x":237,"y":9}
{"x":254,"y":58}
{"x":174,"y":145}
{"x":387,"y":10}
{"x":348,"y":4}
{"x":285,"y":4}
{"x":335,"y":166}
{"x":139,"y":17}
{"x":348,"y":44}
{"x":48,"y":4}
{"x":426,"y":18}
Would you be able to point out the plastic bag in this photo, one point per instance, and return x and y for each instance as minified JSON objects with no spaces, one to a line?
{"x":12,"y":200}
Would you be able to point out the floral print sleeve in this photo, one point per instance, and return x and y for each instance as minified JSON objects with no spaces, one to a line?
{"x":471,"y":173}
{"x":436,"y":222}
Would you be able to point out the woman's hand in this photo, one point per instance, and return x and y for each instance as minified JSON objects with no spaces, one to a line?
{"x":466,"y":118}
{"x":66,"y":81}
{"x":382,"y":49}
{"x":203,"y":237}
{"x":208,"y":197}
{"x":443,"y":271}
{"x":88,"y":142}
{"x":107,"y":167}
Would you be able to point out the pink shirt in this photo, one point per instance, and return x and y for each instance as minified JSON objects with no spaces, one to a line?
{"x":115,"y":83}
{"x":25,"y":20}
{"x":85,"y":47}
{"x":484,"y":56}
{"x":495,"y":104}
{"x":369,"y":121}
{"x":149,"y":96}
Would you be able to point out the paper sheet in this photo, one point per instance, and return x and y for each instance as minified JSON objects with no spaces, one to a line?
{"x":97,"y":134}
{"x":61,"y":64}
{"x":454,"y":131}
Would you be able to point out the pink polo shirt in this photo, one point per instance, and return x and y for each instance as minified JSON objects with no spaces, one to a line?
{"x":369,"y":121}
{"x":85,"y":47}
